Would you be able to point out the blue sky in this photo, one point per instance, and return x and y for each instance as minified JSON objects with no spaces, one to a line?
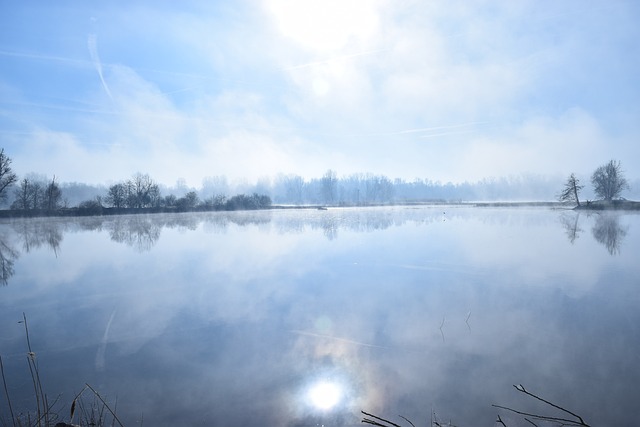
{"x":444,"y":90}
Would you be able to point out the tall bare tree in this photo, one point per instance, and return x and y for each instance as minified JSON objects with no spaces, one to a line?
{"x":609,"y":181}
{"x":37,"y":194}
{"x":571,"y":190}
{"x":7,"y":176}
{"x":329,"y":186}
{"x":117,"y":195}
{"x":52,"y":196}
{"x":142,"y":191}
{"x":23,"y":196}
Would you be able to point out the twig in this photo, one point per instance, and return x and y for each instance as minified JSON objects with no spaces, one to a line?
{"x":35,"y":387}
{"x":6,"y":392}
{"x":541,"y":417}
{"x":377,"y":418}
{"x":33,"y":369}
{"x":407,"y":420}
{"x":521,"y":389}
{"x":26,"y":329}
{"x":73,"y":405}
{"x":372,"y":422}
{"x":105,"y":403}
{"x":47,"y":411}
{"x":115,"y":408}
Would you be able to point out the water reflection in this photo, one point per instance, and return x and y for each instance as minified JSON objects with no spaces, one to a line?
{"x":8,"y":257}
{"x":608,"y":231}
{"x":305,"y":318}
{"x":141,"y":232}
{"x":32,"y":234}
{"x":571,"y":222}
{"x":267,"y":318}
{"x":36,"y":233}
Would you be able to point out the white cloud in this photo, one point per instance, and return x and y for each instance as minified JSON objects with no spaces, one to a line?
{"x":543,"y":145}
{"x":299,"y":88}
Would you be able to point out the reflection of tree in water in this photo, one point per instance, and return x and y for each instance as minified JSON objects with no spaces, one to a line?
{"x":330,"y":221}
{"x":571,"y":226}
{"x":183,"y":222}
{"x":218,"y":222}
{"x":8,"y":256}
{"x":330,"y":227}
{"x":608,"y":231}
{"x":90,"y":223}
{"x":250,"y":218}
{"x":137,"y":231}
{"x":367,"y":219}
{"x":37,"y":233}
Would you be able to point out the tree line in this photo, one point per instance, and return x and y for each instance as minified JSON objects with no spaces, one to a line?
{"x":29,"y":194}
{"x":140,"y":192}
{"x":608,"y":183}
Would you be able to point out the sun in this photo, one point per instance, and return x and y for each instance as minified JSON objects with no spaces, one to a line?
{"x":325,"y":395}
{"x":324,"y":25}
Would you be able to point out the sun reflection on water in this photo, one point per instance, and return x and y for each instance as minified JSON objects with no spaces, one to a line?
{"x":325,"y":395}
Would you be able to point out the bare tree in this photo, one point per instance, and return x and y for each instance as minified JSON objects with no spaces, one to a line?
{"x":37,"y":194}
{"x":117,"y":195}
{"x":571,"y":189}
{"x":52,"y":196}
{"x":154,"y":197}
{"x":142,"y":191}
{"x":22,"y":196}
{"x":609,"y":181}
{"x":188,"y":202}
{"x":7,"y":177}
{"x":329,"y":186}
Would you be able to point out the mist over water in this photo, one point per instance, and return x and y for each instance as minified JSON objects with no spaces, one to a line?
{"x":305,"y":317}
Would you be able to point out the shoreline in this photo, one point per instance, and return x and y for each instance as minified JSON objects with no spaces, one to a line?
{"x":614,"y":205}
{"x":599,"y":205}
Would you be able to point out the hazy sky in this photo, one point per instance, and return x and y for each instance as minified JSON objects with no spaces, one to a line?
{"x":444,"y":90}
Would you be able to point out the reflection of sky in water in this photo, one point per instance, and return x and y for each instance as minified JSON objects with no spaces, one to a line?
{"x":305,"y":317}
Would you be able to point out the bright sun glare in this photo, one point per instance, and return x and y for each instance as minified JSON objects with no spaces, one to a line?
{"x":325,"y":395}
{"x":324,"y":25}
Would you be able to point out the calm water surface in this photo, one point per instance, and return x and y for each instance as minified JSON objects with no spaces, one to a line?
{"x":300,"y":318}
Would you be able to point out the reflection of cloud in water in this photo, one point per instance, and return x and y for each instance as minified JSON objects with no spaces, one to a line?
{"x":213,"y":310}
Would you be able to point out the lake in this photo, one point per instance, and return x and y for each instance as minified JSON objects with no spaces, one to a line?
{"x":307,"y":317}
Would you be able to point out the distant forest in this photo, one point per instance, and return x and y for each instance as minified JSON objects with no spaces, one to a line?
{"x":35,"y":194}
{"x":351,"y":190}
